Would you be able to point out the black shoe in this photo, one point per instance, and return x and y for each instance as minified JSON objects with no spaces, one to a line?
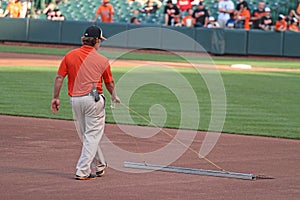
{"x":89,"y":177}
{"x":102,"y":171}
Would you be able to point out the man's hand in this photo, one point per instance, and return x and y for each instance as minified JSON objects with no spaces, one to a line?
{"x":116,"y":99}
{"x":57,"y":86}
{"x":55,"y":105}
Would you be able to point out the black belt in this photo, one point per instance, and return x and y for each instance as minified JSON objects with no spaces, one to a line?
{"x":89,"y":94}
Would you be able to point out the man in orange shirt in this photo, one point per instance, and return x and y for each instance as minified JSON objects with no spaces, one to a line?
{"x":294,"y":25}
{"x":86,"y":69}
{"x":106,"y":11}
{"x":243,"y":17}
{"x":281,"y":24}
{"x":13,"y":8}
{"x":188,"y":20}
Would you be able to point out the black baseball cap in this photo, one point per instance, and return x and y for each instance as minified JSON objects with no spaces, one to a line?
{"x":95,"y":32}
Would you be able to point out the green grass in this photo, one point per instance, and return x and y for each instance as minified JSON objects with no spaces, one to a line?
{"x":203,"y":59}
{"x":263,"y":103}
{"x":27,"y":91}
{"x":258,"y":103}
{"x":269,"y":63}
{"x":33,"y":50}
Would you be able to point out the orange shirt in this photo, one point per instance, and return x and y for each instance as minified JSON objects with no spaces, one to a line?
{"x":85,"y":68}
{"x":246,"y":13}
{"x":257,"y":14}
{"x":14,"y":9}
{"x":106,"y":12}
{"x":184,"y":5}
{"x":188,"y":21}
{"x":294,"y":27}
{"x":280,"y":24}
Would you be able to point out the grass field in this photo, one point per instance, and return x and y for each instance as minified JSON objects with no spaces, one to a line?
{"x":258,"y":103}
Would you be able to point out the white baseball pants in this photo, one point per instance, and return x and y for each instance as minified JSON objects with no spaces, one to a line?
{"x":89,"y":119}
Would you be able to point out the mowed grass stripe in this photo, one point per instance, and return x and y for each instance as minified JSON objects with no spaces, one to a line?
{"x":258,"y":103}
{"x":262,"y":102}
{"x":160,"y":56}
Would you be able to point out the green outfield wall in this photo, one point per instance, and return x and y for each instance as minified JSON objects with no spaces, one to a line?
{"x":215,"y":41}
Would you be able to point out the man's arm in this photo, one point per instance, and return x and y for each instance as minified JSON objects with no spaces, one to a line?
{"x":205,"y":21}
{"x":57,"y":86}
{"x":255,"y":16}
{"x":97,"y":14}
{"x":112,"y":17}
{"x":5,"y":13}
{"x":112,"y":12}
{"x":166,"y":19}
{"x":95,"y":18}
{"x":110,"y":86}
{"x":158,"y":3}
{"x":295,"y":14}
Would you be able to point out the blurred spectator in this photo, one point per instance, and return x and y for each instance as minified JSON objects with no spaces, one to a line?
{"x":201,"y":16}
{"x":266,"y":22}
{"x":138,"y":2}
{"x":225,"y":7}
{"x":58,"y":16}
{"x":26,"y":6}
{"x":106,"y":12}
{"x":231,"y":21}
{"x":48,"y":11}
{"x":13,"y":8}
{"x":298,"y":9}
{"x":241,"y":2}
{"x":157,"y":2}
{"x":41,"y":6}
{"x":151,"y":7}
{"x":142,"y":3}
{"x":172,"y":14}
{"x":281,"y":24}
{"x":289,"y":18}
{"x":50,"y":14}
{"x":134,"y":20}
{"x":212,"y":23}
{"x":188,"y":20}
{"x":184,"y":5}
{"x":294,"y":27}
{"x":1,"y":10}
{"x":50,"y":6}
{"x":243,"y":17}
{"x":258,"y":14}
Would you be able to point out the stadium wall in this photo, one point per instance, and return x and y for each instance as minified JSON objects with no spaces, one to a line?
{"x":215,"y":41}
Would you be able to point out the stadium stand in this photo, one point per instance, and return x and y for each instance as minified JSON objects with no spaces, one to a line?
{"x":85,"y":10}
{"x":79,"y":10}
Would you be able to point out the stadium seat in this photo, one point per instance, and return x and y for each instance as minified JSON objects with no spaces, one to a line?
{"x":84,"y":10}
